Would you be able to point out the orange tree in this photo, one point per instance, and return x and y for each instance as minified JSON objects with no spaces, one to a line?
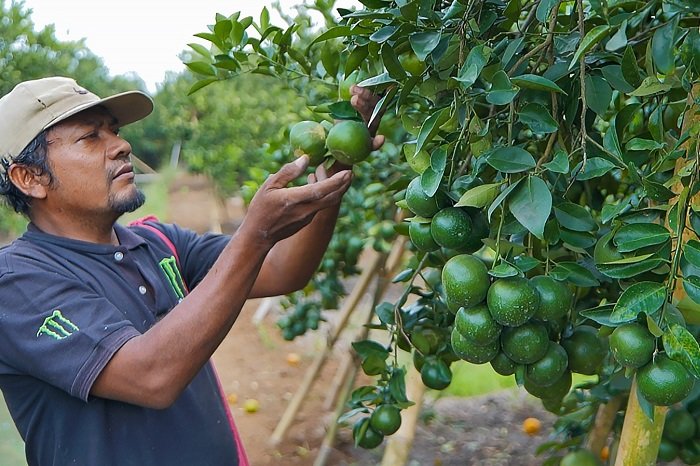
{"x":549,"y":172}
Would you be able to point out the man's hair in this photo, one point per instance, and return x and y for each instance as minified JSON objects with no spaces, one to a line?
{"x":33,"y":156}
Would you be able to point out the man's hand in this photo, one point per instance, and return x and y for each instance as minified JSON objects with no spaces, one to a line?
{"x":364,"y":101}
{"x":277,"y":212}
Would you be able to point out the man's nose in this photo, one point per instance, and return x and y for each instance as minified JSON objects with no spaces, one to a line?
{"x":118,"y":146}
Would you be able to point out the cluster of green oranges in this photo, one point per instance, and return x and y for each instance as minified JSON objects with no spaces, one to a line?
{"x":681,"y":436}
{"x":347,"y":141}
{"x":369,"y":431}
{"x":295,"y":323}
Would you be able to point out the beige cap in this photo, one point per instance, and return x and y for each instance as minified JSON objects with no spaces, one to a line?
{"x":33,"y":106}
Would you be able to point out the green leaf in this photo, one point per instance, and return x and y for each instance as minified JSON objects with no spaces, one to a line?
{"x":501,"y":197}
{"x":431,"y":126}
{"x":201,"y":50}
{"x":574,"y":273}
{"x":543,"y":10}
{"x":624,"y":268}
{"x":638,"y":235}
{"x":581,"y":240}
{"x":383,"y":78}
{"x":575,"y":217}
{"x":681,"y":346}
{"x":510,"y":159}
{"x":502,"y":90}
{"x":403,"y":276}
{"x":691,"y":252}
{"x":264,"y":19}
{"x":560,"y":162}
{"x":613,"y":74}
{"x":645,"y":297}
{"x":662,"y":50}
{"x":531,"y":205}
{"x":504,"y":270}
{"x":201,"y":67}
{"x":600,"y":314}
{"x":391,"y":63}
{"x":479,"y":196}
{"x":343,"y":110}
{"x":357,"y":56}
{"x":385,"y":312}
{"x":476,"y":60}
{"x":383,"y":34}
{"x":619,"y":39}
{"x":611,"y":211}
{"x":397,"y":387}
{"x":538,"y":118}
{"x":630,"y":69}
{"x":598,"y":94}
{"x":593,"y":36}
{"x":533,"y":81}
{"x":332,"y":33}
{"x":595,"y":167}
{"x":368,"y":348}
{"x":650,"y":86}
{"x":200,"y":84}
{"x":657,"y":191}
{"x":330,"y":59}
{"x":423,"y":43}
{"x":691,"y":285}
{"x":643,"y":144}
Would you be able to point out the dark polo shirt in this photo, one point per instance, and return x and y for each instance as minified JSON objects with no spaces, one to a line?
{"x":66,"y":307}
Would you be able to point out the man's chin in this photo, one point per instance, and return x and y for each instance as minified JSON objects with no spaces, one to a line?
{"x":128,"y":204}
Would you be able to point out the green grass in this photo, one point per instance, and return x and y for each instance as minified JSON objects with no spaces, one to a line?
{"x":11,"y":444}
{"x":476,"y":379}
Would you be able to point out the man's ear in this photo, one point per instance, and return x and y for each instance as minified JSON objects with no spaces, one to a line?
{"x":28,"y":180}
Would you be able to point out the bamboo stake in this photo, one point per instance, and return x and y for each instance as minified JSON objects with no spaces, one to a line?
{"x":640,"y":438}
{"x":339,"y":381}
{"x":399,"y":444}
{"x":604,"y":420}
{"x":311,"y":374}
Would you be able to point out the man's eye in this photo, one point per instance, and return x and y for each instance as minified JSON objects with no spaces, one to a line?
{"x":90,"y":135}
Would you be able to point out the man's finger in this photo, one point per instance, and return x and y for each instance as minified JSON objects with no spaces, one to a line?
{"x":377,"y":141}
{"x":289,"y":172}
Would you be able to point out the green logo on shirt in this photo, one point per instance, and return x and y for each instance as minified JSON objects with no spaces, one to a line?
{"x":172,"y":271}
{"x":57,"y":326}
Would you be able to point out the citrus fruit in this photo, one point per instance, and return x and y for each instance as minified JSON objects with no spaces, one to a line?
{"x":668,"y":450}
{"x":525,"y":344}
{"x":386,"y":419}
{"x":308,"y":137}
{"x":421,"y":237}
{"x":532,"y":426}
{"x":349,"y":141}
{"x":471,"y":352}
{"x":426,"y":340}
{"x":502,"y":365}
{"x":679,"y":425}
{"x":557,"y":391}
{"x":585,"y":350}
{"x":689,"y":452}
{"x":418,"y":161}
{"x":365,"y":435}
{"x":605,"y":251}
{"x":632,"y":345}
{"x":451,"y":227}
{"x":419,"y":202}
{"x":512,"y":301}
{"x":664,"y":381}
{"x":411,"y":63}
{"x":293,"y":359}
{"x":555,"y":298}
{"x":480,"y":231}
{"x":345,"y":85}
{"x":251,"y":405}
{"x":477,"y":325}
{"x":435,"y":374}
{"x":605,"y":453}
{"x":579,"y":458}
{"x":465,"y":280}
{"x":549,"y":367}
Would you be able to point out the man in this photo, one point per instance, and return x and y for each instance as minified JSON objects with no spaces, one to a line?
{"x":104,"y":355}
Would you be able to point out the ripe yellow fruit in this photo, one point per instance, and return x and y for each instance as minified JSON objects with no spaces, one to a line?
{"x":251,"y":405}
{"x":532,"y":426}
{"x":605,"y":453}
{"x":293,"y":359}
{"x":232,"y":398}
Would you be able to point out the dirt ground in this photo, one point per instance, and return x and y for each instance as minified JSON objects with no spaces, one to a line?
{"x":253,"y":364}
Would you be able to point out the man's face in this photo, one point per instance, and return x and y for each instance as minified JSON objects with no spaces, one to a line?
{"x":91,"y":166}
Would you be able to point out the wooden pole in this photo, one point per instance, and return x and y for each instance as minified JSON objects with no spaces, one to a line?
{"x":640,"y":438}
{"x":604,"y":420}
{"x":311,"y":374}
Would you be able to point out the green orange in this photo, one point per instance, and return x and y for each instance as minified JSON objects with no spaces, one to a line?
{"x":451,"y":228}
{"x":525,"y":344}
{"x":386,"y":419}
{"x":435,"y":373}
{"x":503,"y":365}
{"x":580,"y":458}
{"x":550,"y":367}
{"x":421,"y":237}
{"x":308,"y":137}
{"x":663,"y":381}
{"x":476,"y":324}
{"x":585,"y":350}
{"x":465,"y":280}
{"x":556,"y":391}
{"x":555,"y":298}
{"x":419,"y":202}
{"x":679,"y":425}
{"x":512,"y":301}
{"x":349,"y":141}
{"x":471,"y":352}
{"x":632,"y":345}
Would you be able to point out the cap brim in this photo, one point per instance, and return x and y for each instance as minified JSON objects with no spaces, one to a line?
{"x":126,"y":107}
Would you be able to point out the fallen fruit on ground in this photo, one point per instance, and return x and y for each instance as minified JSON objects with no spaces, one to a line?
{"x":532,"y":426}
{"x":251,"y":405}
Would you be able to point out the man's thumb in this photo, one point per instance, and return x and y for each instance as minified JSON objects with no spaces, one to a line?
{"x":292,"y":170}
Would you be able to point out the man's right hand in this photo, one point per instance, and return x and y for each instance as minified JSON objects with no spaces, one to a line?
{"x":277,"y":211}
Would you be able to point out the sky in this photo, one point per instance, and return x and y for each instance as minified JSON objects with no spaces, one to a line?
{"x":142,"y":36}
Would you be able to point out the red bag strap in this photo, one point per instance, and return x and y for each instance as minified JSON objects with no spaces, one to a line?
{"x":142,"y":222}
